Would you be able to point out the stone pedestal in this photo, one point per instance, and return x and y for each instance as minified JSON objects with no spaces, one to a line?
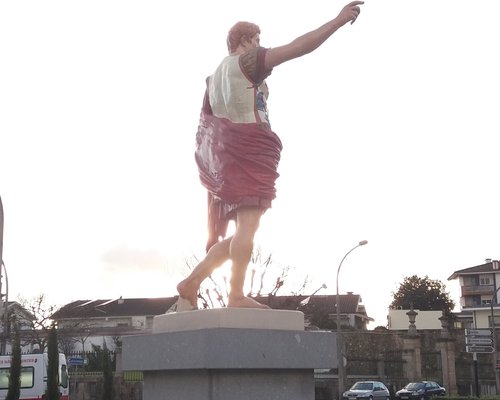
{"x":227,"y":354}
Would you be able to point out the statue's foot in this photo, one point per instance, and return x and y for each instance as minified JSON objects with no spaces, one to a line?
{"x":188,"y":296}
{"x":246,"y":302}
{"x":183,"y":304}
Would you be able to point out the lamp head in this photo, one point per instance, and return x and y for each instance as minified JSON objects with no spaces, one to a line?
{"x":363,"y":242}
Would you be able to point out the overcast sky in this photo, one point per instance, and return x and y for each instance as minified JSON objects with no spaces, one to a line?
{"x":390,"y":134}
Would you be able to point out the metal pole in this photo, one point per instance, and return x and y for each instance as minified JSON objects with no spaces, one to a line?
{"x":340,"y":353}
{"x":340,"y":356}
{"x":494,"y":342}
{"x":476,"y":375}
{"x":5,"y":312}
{"x":3,"y":301}
{"x":1,"y":231}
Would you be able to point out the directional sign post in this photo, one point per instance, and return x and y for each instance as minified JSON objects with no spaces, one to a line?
{"x":479,"y":332}
{"x":479,"y":349}
{"x":479,"y":340}
{"x":79,"y":361}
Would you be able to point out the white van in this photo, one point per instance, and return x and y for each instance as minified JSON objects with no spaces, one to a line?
{"x":33,"y":376}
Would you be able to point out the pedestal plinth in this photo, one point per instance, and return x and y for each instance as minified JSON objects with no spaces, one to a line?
{"x":228,"y":354}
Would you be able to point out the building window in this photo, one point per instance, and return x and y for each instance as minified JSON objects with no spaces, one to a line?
{"x":484,"y":302}
{"x":485,"y":280}
{"x":475,"y":300}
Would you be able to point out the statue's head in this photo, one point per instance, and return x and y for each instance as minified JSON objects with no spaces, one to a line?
{"x":241,"y":31}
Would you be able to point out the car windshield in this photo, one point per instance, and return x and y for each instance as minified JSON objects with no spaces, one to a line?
{"x":414,"y":386}
{"x":362,"y":386}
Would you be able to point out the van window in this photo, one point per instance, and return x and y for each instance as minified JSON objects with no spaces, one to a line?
{"x":4,"y":378}
{"x":27,"y":377}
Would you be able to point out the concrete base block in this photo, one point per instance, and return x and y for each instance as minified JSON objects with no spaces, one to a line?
{"x":229,"y":385}
{"x":231,"y":357}
{"x":242,"y":318}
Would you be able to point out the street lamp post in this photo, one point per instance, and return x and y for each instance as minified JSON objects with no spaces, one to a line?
{"x":323,"y":286}
{"x":4,"y":297}
{"x":307,"y":299}
{"x":4,"y":302}
{"x":494,"y":342}
{"x":340,"y":355}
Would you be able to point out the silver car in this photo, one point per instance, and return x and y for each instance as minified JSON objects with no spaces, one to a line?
{"x":370,"y":390}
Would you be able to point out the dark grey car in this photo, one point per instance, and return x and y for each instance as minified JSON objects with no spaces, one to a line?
{"x":423,"y":390}
{"x":370,"y":390}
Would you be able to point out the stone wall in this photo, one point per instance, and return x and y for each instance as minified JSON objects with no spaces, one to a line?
{"x":396,"y":358}
{"x":90,"y":386}
{"x":393,"y":357}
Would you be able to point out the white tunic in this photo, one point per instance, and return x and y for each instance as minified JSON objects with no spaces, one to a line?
{"x":234,"y":96}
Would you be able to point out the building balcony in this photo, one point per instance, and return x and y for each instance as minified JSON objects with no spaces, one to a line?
{"x":477,"y":290}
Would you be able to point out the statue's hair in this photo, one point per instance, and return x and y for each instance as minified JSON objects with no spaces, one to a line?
{"x":240,"y":30}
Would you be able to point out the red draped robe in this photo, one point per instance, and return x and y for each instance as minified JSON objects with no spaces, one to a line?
{"x":237,"y":164}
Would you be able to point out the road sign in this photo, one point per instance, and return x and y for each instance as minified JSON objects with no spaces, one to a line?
{"x":479,"y":340}
{"x":479,"y":349}
{"x":479,"y":332}
{"x":77,"y":361}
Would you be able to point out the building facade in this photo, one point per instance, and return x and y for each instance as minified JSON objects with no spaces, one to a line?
{"x":479,"y":297}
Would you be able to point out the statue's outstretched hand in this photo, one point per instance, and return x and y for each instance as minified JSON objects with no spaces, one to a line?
{"x":350,"y":12}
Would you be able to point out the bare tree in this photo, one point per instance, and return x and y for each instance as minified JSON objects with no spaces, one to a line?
{"x":37,"y":325}
{"x":303,"y":287}
{"x":35,"y":328}
{"x":214,"y":292}
{"x":78,"y":331}
{"x":259,"y":263}
{"x":66,"y":341}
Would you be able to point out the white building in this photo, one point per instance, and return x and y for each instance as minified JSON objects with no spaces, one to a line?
{"x":398,"y":320}
{"x":479,"y":293}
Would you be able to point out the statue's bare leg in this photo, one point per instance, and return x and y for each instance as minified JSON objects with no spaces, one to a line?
{"x":240,"y":250}
{"x":216,"y":256}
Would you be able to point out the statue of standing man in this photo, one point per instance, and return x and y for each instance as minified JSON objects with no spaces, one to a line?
{"x":237,"y":152}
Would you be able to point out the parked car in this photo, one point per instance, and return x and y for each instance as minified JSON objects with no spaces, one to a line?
{"x":423,"y":390}
{"x":371,"y":390}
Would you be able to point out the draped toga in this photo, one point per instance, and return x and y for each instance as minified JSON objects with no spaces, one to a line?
{"x":237,"y":153}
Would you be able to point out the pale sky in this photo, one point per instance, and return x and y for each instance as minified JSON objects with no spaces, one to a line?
{"x":389,"y":130}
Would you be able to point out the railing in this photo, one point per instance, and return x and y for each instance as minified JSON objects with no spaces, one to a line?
{"x":128,"y":376}
{"x":479,"y":305}
{"x":477,"y":289}
{"x":85,"y":373}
